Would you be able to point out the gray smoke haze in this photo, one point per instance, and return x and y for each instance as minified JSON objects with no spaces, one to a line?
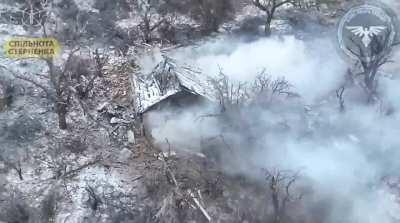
{"x":302,"y":63}
{"x":343,"y":156}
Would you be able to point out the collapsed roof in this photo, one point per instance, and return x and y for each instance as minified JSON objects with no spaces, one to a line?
{"x":167,"y":79}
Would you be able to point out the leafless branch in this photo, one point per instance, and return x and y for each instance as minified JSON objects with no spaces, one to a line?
{"x":270,"y":7}
{"x":371,"y":58}
{"x":339,"y":96}
{"x":280,"y":184}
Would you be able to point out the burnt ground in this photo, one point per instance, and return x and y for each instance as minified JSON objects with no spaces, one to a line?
{"x":92,"y":172}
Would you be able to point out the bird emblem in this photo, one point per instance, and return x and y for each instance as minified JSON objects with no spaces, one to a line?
{"x":366,"y":33}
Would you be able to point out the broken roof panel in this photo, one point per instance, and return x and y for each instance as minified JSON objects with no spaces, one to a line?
{"x":167,"y":79}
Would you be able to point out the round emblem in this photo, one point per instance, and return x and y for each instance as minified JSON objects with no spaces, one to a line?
{"x":366,"y":32}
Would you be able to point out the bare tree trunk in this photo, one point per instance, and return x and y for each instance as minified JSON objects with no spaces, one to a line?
{"x":369,"y":80}
{"x":275,"y":199}
{"x":147,"y":32}
{"x":19,"y":170}
{"x":61,"y":109}
{"x":270,"y":16}
{"x":275,"y":202}
{"x":267,"y":29}
{"x":17,"y":166}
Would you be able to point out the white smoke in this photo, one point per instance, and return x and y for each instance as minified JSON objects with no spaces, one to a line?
{"x":182,"y":131}
{"x":312,"y":67}
{"x":344,"y":156}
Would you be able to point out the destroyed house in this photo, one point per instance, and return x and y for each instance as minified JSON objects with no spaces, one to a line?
{"x":171,"y":85}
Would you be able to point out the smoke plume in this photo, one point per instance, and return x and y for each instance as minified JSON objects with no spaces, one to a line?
{"x":344,"y":157}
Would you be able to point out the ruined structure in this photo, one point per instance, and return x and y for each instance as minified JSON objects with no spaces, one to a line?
{"x":171,"y":86}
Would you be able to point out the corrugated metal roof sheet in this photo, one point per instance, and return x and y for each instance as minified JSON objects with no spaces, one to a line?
{"x":168,"y":78}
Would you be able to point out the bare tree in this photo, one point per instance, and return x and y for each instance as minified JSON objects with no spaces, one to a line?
{"x":33,"y":13}
{"x":150,"y":19}
{"x":240,"y":94}
{"x":60,"y":80}
{"x":58,"y":88}
{"x":371,"y":59}
{"x":230,"y":95}
{"x":280,"y":185}
{"x":212,"y":13}
{"x":237,"y":98}
{"x":270,"y":7}
{"x":265,"y":88}
{"x":209,"y":13}
{"x":73,"y":78}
